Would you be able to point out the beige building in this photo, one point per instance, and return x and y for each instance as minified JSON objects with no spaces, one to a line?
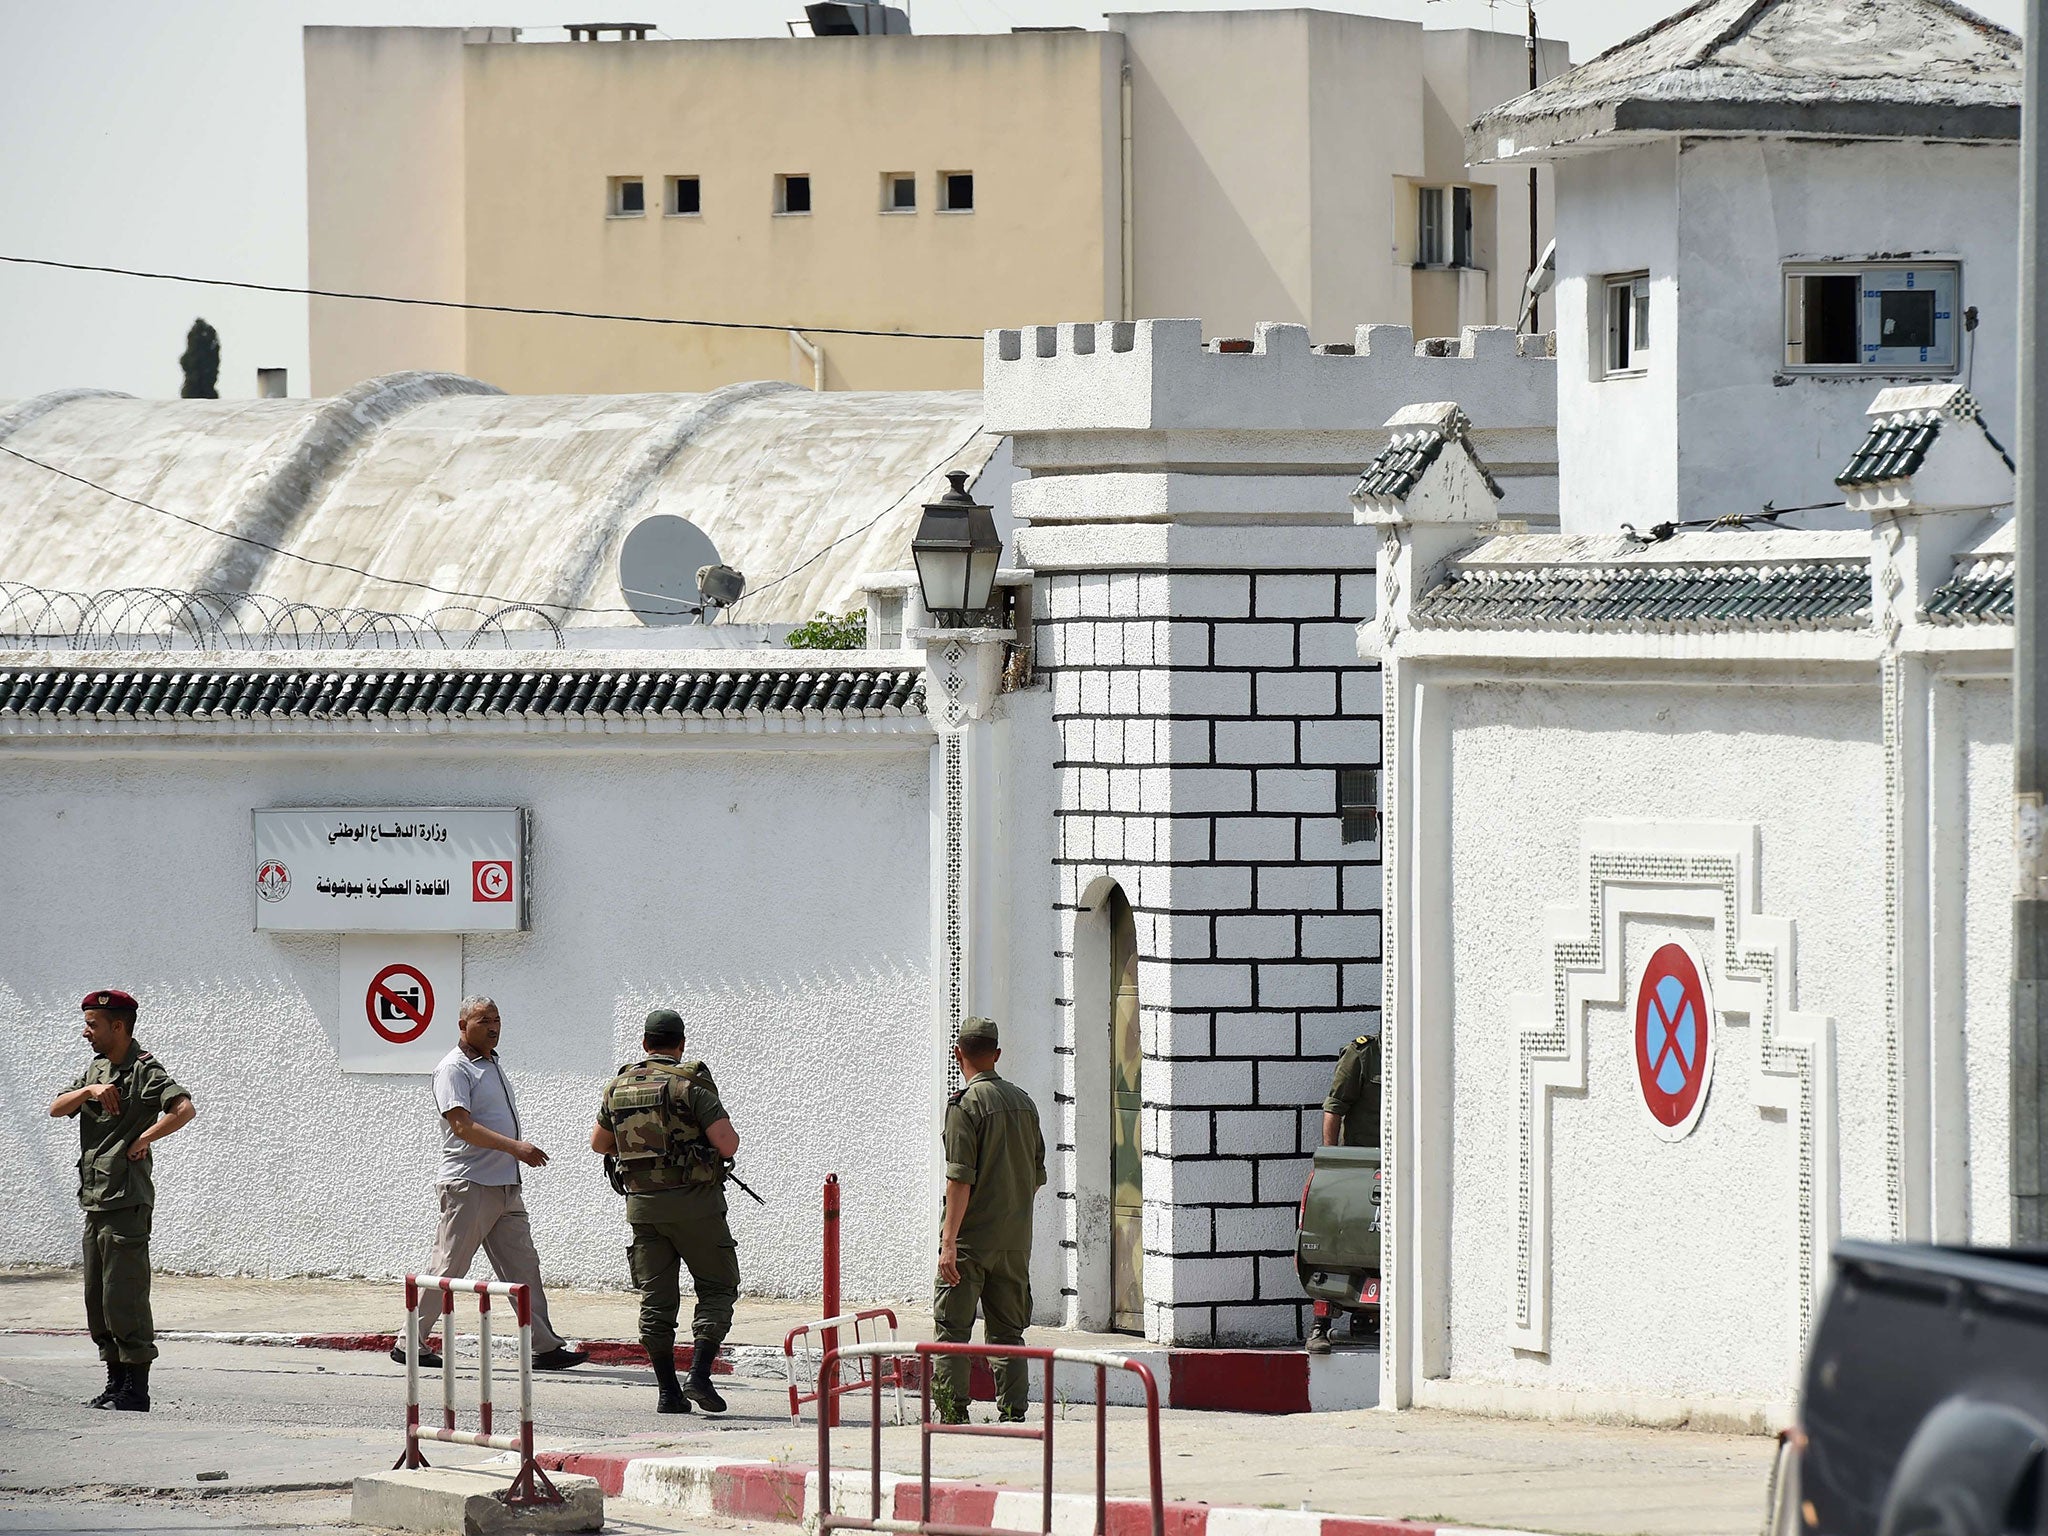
{"x":1296,"y":165}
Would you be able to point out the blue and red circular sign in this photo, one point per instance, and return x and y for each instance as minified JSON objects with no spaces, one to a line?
{"x":1674,"y":1041}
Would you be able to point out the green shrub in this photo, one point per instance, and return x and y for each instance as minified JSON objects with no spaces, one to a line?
{"x":825,"y":632}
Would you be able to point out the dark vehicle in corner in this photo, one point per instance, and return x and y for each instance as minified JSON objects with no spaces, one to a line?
{"x":1925,"y":1406}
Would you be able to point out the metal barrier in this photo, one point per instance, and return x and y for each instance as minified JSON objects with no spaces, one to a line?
{"x":892,"y":1374}
{"x":530,"y":1485}
{"x":924,"y":1525}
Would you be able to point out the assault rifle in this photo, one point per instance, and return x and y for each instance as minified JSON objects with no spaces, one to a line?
{"x":696,"y":1152}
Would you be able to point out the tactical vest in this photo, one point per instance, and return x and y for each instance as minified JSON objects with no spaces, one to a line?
{"x":660,"y":1144}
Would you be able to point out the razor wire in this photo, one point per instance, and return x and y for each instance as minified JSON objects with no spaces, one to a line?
{"x":137,"y":620}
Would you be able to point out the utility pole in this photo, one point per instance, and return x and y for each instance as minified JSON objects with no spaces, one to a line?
{"x":1535,"y":250}
{"x":2029,"y":646}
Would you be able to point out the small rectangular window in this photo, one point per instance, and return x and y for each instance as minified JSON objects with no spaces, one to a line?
{"x":1358,"y":803}
{"x":1628,"y":324}
{"x":684,"y":196}
{"x":1884,"y":317}
{"x":888,"y":623}
{"x":1429,"y":226}
{"x":957,"y":191}
{"x":629,"y":197}
{"x":1461,"y":226}
{"x":899,"y":192}
{"x":792,"y":194}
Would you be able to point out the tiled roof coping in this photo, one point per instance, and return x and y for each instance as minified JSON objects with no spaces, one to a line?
{"x":411,"y":694}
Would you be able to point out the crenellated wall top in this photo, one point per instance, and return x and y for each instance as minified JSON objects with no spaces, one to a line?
{"x":1159,"y":375}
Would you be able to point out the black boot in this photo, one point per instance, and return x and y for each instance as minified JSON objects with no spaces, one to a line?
{"x":134,"y":1394}
{"x":1319,"y":1336}
{"x":671,"y":1399}
{"x":699,"y":1389}
{"x":117,"y":1377}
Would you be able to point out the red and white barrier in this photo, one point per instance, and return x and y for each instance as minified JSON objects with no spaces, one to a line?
{"x":530,"y":1485}
{"x":703,"y":1486}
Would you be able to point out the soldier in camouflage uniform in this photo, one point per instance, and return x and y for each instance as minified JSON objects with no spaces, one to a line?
{"x":124,"y":1102}
{"x":995,"y":1163}
{"x":662,"y":1124}
{"x":1351,"y":1118}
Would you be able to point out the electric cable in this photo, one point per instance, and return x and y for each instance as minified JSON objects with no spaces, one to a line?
{"x":491,"y":309}
{"x":855,"y":533}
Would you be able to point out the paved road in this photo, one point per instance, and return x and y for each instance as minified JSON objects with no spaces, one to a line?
{"x":279,"y":1419}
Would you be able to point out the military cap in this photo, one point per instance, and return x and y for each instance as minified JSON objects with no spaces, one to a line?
{"x":978,"y":1031}
{"x":663,"y":1024}
{"x":109,"y":997}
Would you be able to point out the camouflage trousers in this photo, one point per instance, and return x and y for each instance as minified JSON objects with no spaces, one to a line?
{"x":661,"y":1249}
{"x":1000,"y":1282}
{"x":117,"y":1284}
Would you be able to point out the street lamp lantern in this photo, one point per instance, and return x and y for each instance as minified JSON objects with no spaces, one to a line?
{"x":957,"y":550}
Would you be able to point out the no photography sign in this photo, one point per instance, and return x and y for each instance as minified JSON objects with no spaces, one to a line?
{"x":399,"y":995}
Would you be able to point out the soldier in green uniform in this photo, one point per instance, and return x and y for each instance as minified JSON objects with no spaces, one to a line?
{"x":124,"y":1102}
{"x":995,"y":1163}
{"x":1351,"y":1118}
{"x":663,"y":1126}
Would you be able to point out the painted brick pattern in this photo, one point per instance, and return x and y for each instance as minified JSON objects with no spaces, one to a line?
{"x":1201,"y":719}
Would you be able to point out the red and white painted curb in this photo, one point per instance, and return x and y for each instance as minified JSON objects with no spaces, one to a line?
{"x":1210,"y":1380}
{"x":699,"y":1487}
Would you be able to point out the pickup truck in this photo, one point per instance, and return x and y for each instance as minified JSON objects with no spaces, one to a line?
{"x":1925,"y":1406}
{"x":1337,"y":1245}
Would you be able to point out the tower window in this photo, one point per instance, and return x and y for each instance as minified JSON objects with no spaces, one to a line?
{"x":628,"y":197}
{"x":792,"y":194}
{"x":685,"y":196}
{"x":899,"y":192}
{"x":1888,"y":317}
{"x":956,"y":190}
{"x":1628,"y":324}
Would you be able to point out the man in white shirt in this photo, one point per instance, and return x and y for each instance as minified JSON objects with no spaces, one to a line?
{"x":481,"y":1204}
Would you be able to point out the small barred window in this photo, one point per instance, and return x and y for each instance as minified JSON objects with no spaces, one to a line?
{"x":1358,"y":802}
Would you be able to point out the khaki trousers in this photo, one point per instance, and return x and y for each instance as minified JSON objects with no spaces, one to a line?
{"x":1000,"y":1282}
{"x":491,"y":1217}
{"x":117,"y":1284}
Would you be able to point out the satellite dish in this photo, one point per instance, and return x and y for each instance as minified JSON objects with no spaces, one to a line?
{"x":658,"y":566}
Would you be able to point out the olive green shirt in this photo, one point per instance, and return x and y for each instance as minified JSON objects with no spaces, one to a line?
{"x":993,"y":1143}
{"x":107,"y":1181}
{"x":688,"y":1200}
{"x":1355,"y":1092}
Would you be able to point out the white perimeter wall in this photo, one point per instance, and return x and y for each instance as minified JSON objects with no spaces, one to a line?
{"x":777,"y":898}
{"x":1673,"y":1265}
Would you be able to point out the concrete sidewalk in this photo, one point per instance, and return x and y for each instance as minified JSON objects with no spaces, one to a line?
{"x":50,"y":1298}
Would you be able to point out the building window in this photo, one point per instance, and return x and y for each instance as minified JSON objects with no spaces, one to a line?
{"x":685,"y":196}
{"x":1358,"y":803}
{"x":1429,"y":226}
{"x":792,"y":194}
{"x":956,"y":191}
{"x":888,"y":622}
{"x":1628,"y":324}
{"x":628,"y":197}
{"x":1461,"y":226}
{"x":1883,"y":317}
{"x":899,"y":192}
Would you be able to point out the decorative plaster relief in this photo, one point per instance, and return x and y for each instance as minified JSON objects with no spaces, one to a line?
{"x":1671,"y":869}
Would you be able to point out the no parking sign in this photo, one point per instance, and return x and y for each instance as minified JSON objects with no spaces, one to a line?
{"x":1674,"y":1040}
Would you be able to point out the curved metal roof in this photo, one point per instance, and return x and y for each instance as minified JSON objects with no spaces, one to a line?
{"x":442,"y":481}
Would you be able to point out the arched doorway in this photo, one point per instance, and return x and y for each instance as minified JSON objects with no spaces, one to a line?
{"x":1126,"y":1110}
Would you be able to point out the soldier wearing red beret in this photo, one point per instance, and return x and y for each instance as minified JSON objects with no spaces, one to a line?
{"x":124,"y":1101}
